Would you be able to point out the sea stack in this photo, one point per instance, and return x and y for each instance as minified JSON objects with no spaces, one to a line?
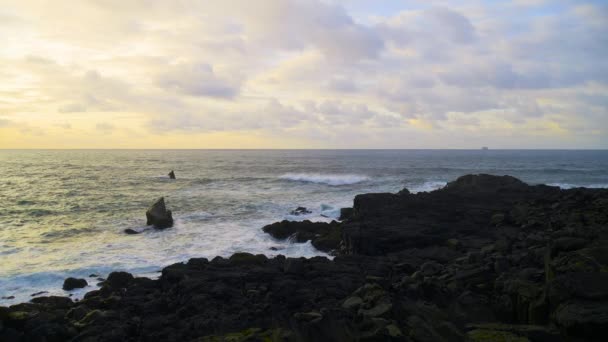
{"x":159,"y":216}
{"x":172,"y":174}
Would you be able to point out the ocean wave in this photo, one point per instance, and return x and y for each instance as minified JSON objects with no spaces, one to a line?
{"x":572,"y":186}
{"x":428,"y":186}
{"x":329,"y":179}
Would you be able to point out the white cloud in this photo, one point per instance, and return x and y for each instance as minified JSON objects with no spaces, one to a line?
{"x":519,"y":68}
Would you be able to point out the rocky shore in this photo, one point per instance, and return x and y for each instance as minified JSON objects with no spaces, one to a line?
{"x":486,"y":258}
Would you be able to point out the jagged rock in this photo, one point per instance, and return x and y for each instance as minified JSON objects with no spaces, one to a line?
{"x":408,"y":267}
{"x":74,"y":283}
{"x":171,"y":175}
{"x":158,"y":215}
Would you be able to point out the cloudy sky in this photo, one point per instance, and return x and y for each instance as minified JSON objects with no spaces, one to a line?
{"x":303,"y":74}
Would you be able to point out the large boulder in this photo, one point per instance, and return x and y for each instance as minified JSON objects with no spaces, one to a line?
{"x":74,"y":283}
{"x":158,"y":215}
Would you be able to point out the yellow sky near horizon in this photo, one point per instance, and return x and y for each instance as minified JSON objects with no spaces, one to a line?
{"x":302,"y":74}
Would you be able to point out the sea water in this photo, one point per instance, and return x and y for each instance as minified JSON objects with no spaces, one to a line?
{"x":63,"y":213}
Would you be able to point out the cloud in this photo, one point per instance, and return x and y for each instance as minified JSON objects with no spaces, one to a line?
{"x":5,"y":123}
{"x":312,"y":69}
{"x":197,"y":80}
{"x":104,"y":127}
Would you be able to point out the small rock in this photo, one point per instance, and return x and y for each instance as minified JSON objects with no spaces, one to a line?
{"x":131,"y":231}
{"x":352,"y":303}
{"x":300,"y":211}
{"x":38,"y":293}
{"x":497,"y":219}
{"x":308,"y":316}
{"x":74,"y":283}
{"x":172,"y":175}
{"x":430,"y":268}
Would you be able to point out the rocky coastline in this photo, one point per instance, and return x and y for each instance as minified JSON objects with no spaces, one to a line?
{"x":487,"y":258}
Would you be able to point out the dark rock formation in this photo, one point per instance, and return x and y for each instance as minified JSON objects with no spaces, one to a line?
{"x":484,"y":259}
{"x":131,"y":231}
{"x":346,"y":213}
{"x":300,"y":211}
{"x":74,"y":283}
{"x":158,"y":215}
{"x":172,"y":175}
{"x":324,"y":236}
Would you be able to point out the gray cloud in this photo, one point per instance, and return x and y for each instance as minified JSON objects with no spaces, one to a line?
{"x":313,"y":66}
{"x":197,"y":80}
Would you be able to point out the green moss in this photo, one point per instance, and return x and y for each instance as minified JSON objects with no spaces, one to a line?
{"x":89,"y":317}
{"x":485,"y":335}
{"x":19,"y":315}
{"x":249,"y":335}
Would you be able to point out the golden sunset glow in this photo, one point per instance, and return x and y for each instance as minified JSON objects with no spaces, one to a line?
{"x":302,"y":74}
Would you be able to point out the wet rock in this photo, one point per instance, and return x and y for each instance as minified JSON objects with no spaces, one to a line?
{"x":324,"y":236}
{"x":74,"y":283}
{"x":171,"y":175}
{"x":300,"y":211}
{"x":118,"y":280}
{"x":131,"y":231}
{"x":158,"y":215}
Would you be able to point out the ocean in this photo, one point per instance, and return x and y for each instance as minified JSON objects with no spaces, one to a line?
{"x":63,"y":212}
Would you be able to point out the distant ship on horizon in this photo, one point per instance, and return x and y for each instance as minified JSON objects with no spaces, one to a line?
{"x":485,"y":148}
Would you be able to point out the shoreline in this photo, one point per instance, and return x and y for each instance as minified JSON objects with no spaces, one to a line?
{"x":484,"y":256}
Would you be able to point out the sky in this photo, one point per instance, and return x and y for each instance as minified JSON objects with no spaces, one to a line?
{"x":303,"y":74}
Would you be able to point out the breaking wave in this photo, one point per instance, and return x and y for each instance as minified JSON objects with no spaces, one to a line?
{"x":428,"y":186}
{"x":329,"y":179}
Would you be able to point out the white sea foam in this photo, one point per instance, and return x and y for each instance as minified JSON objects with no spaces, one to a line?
{"x":428,"y":186}
{"x":572,"y":186}
{"x":329,"y":179}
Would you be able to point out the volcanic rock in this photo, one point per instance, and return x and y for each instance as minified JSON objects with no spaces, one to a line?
{"x":74,"y":283}
{"x":158,"y":215}
{"x":485,"y":258}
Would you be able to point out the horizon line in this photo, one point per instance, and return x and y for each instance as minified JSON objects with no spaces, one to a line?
{"x":303,"y":149}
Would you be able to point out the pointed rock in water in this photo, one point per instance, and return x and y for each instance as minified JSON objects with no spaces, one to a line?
{"x":172,"y":174}
{"x":159,"y":216}
{"x":74,"y":283}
